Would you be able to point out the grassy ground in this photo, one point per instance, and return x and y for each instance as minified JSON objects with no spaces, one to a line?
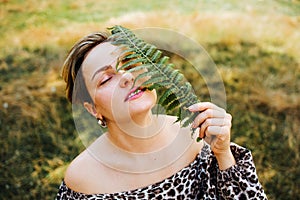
{"x":254,"y":44}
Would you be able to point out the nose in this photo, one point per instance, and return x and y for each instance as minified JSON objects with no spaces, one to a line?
{"x":126,"y":79}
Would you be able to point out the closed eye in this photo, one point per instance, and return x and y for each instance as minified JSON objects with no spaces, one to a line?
{"x":102,"y":82}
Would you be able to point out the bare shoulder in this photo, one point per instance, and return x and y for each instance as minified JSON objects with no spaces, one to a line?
{"x":79,"y":175}
{"x":75,"y":171}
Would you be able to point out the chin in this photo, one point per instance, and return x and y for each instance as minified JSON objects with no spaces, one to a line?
{"x":144,"y":104}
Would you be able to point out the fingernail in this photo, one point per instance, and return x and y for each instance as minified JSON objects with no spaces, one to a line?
{"x":194,"y":125}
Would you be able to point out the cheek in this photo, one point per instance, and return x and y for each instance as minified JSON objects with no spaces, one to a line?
{"x":102,"y":99}
{"x":109,"y":99}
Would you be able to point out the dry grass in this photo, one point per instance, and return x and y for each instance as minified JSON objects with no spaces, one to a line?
{"x":275,"y":33}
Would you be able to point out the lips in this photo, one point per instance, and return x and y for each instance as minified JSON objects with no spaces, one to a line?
{"x":135,"y":93}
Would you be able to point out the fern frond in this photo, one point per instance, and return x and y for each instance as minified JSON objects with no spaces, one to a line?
{"x":139,"y":68}
{"x":173,"y":105}
{"x":157,"y":70}
{"x":165,"y":95}
{"x":169,"y":99}
{"x":131,"y":63}
{"x":151,"y":74}
{"x":157,"y":80}
{"x":157,"y":54}
{"x":164,"y":60}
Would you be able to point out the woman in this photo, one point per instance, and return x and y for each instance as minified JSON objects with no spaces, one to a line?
{"x":146,"y":156}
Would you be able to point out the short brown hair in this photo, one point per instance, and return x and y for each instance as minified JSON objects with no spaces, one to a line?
{"x":76,"y":92}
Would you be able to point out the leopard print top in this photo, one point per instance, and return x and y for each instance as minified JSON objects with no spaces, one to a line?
{"x":199,"y":180}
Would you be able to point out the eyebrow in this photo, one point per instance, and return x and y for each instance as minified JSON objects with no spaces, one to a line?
{"x":101,"y":70}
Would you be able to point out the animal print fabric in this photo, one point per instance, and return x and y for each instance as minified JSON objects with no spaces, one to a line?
{"x":199,"y":180}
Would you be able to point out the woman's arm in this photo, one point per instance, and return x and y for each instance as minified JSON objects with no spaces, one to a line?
{"x":214,"y":127}
{"x":236,"y":173}
{"x":240,"y":181}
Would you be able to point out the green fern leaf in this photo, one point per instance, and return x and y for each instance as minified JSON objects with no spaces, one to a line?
{"x":151,"y":74}
{"x":165,"y":95}
{"x":178,"y":94}
{"x":164,"y":60}
{"x":173,"y":105}
{"x":169,"y":99}
{"x":131,"y":63}
{"x":140,"y":68}
{"x":156,"y":56}
{"x":152,"y":80}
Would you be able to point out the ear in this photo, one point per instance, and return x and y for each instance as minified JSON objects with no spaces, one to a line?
{"x":91,"y":109}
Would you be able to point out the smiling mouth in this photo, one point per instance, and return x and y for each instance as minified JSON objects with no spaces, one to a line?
{"x":135,"y":93}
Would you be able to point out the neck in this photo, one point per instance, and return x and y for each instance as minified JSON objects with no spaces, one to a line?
{"x":133,"y":137}
{"x":142,"y":120}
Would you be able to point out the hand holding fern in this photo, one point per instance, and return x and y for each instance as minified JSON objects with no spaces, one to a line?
{"x":214,"y":127}
{"x":213,"y":121}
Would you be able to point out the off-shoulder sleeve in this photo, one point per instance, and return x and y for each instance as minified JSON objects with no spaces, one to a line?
{"x":240,"y":181}
{"x":65,"y":193}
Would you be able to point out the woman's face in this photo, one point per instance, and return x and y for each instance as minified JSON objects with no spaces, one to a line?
{"x":112,"y":91}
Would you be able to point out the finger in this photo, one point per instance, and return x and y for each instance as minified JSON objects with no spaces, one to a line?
{"x":203,"y":106}
{"x":209,"y":113}
{"x":217,"y":135}
{"x":209,"y":140}
{"x":218,"y":131}
{"x":213,"y":122}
